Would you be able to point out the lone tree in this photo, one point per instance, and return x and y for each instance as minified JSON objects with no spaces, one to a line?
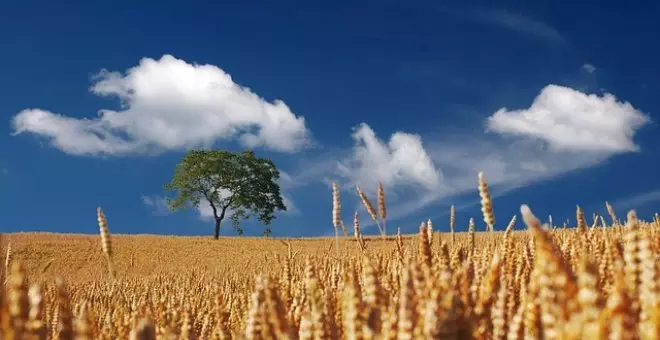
{"x":238,"y":184}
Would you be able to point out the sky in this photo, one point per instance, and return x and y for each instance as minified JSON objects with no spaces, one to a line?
{"x":556,"y":104}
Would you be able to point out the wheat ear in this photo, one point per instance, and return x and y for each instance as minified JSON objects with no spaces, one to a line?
{"x":7,"y":260}
{"x":486,"y":202}
{"x":370,"y":208}
{"x":382,"y":211}
{"x":452,"y":222}
{"x":610,"y":210}
{"x":106,"y":242}
{"x":336,"y":213}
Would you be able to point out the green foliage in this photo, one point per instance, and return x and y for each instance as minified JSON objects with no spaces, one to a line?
{"x":240,"y":184}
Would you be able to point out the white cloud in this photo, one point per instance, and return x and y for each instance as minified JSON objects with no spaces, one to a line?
{"x":291,"y":208}
{"x":169,"y":104}
{"x":533,"y":165}
{"x":402,"y":161}
{"x":570,"y":120}
{"x":288,"y":183}
{"x":548,"y":135}
{"x":157,"y":204}
{"x":445,"y":165}
{"x":507,"y":164}
{"x":589,"y":68}
{"x":206,"y":212}
{"x":402,"y":164}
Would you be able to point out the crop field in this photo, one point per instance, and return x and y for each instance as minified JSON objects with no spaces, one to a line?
{"x":593,"y":283}
{"x":597,"y":280}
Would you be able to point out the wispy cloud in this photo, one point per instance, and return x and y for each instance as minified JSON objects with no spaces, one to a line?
{"x":497,"y":17}
{"x":503,"y":18}
{"x":637,"y":201}
{"x":157,"y":204}
{"x":519,"y":23}
{"x":589,"y":68}
{"x":291,"y":208}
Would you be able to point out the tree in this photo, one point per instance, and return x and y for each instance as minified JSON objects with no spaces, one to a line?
{"x":239,"y":184}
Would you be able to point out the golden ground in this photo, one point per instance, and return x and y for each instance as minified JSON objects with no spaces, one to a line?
{"x":79,"y":256}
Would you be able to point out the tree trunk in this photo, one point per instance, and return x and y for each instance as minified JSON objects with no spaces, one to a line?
{"x":217,"y":228}
{"x":218,"y":220}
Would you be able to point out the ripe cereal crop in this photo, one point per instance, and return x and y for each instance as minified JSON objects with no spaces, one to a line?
{"x":594,"y":281}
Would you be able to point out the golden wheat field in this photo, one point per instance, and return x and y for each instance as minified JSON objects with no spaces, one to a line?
{"x":598,"y":280}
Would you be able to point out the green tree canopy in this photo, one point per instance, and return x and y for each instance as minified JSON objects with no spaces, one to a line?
{"x":239,"y":184}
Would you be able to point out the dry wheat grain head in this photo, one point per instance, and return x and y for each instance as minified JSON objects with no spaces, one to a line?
{"x":425,"y":246}
{"x":486,"y":202}
{"x":579,"y":217}
{"x":557,"y":282}
{"x":471,"y":233}
{"x":106,"y":242}
{"x":382,"y":210}
{"x":429,"y":230}
{"x":8,"y":258}
{"x":336,"y":206}
{"x":610,"y":210}
{"x":369,"y":207}
{"x":452,"y":222}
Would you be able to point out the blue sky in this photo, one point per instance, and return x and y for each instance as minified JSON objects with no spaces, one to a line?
{"x":556,"y":104}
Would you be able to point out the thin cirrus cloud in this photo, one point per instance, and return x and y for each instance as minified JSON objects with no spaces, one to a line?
{"x":589,"y":68}
{"x":169,"y":104}
{"x":520,"y":23}
{"x":639,"y":200}
{"x":496,"y":17}
{"x":563,"y":130}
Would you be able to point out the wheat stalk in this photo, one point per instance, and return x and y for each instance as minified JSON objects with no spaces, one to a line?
{"x":106,"y":242}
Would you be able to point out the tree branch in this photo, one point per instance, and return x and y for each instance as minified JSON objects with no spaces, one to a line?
{"x":208,"y":199}
{"x":231,"y":200}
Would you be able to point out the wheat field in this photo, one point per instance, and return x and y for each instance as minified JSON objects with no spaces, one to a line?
{"x":598,"y":280}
